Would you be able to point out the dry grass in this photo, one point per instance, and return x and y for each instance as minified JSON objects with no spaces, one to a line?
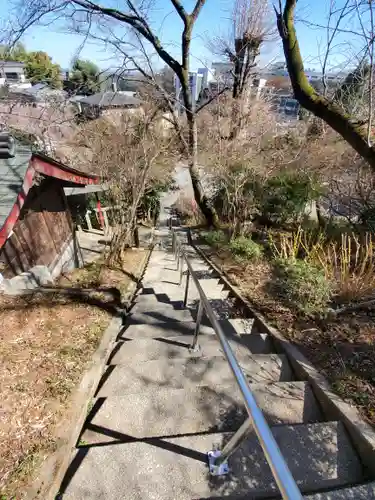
{"x":46,"y":343}
{"x":348,"y":263}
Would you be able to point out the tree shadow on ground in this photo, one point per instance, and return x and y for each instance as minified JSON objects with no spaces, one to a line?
{"x":105,"y":298}
{"x":222,"y":412}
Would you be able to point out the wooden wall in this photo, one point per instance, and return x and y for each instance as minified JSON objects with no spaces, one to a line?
{"x":41,"y":232}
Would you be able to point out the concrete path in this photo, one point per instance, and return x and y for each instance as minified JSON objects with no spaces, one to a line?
{"x":160,"y":407}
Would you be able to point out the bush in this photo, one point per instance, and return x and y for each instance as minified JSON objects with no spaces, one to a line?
{"x":214,"y":238}
{"x":245,"y":247}
{"x":284,"y":197}
{"x":303,"y":285}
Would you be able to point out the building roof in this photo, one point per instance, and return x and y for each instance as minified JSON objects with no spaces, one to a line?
{"x":17,"y":177}
{"x":12,"y":63}
{"x":40,"y":92}
{"x":111,"y":99}
{"x":89,"y":189}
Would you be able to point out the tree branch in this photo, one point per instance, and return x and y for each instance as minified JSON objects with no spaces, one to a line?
{"x":309,"y":98}
{"x":138,"y":23}
{"x":211,"y":99}
{"x":180,"y":9}
{"x":198,"y":7}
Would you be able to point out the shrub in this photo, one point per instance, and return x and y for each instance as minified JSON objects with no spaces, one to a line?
{"x":245,"y":247}
{"x":214,"y":238}
{"x":303,"y":285}
{"x":284,"y":197}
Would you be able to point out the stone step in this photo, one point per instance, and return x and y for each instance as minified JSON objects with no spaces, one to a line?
{"x":167,"y":275}
{"x":144,"y":349}
{"x":361,"y":492}
{"x":176,"y":293}
{"x":162,"y":329}
{"x":164,"y":411}
{"x":320,"y":456}
{"x":207,"y":285}
{"x":240,"y":325}
{"x":159,"y":316}
{"x":151,"y":299}
{"x":162,"y":302}
{"x":160,"y":307}
{"x":134,"y":376}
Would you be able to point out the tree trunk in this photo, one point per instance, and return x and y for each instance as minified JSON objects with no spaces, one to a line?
{"x":200,"y":197}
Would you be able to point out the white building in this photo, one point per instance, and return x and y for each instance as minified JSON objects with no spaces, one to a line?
{"x":223,"y":72}
{"x":279,"y":68}
{"x":198,"y":80}
{"x":12,"y":74}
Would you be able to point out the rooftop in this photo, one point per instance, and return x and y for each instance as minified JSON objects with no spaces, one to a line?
{"x":111,"y":99}
{"x":12,"y":63}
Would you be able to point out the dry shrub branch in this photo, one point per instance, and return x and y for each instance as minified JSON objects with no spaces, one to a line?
{"x":132,"y":153}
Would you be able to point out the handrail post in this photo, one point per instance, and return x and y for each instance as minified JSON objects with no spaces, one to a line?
{"x":182,"y":269}
{"x":179,"y":254}
{"x":193,"y":346}
{"x":187,"y":287}
{"x":232,"y":445}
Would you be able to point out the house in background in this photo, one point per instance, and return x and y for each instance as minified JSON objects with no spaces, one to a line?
{"x":37,"y":234}
{"x":12,"y":75}
{"x":99,"y":104}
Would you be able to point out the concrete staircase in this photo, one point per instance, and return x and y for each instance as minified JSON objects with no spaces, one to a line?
{"x":160,"y":408}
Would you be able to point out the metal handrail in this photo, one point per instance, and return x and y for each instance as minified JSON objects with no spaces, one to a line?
{"x":280,"y":470}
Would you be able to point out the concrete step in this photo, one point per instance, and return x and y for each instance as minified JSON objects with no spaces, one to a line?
{"x":167,"y":274}
{"x":158,"y":316}
{"x":207,"y":285}
{"x":134,"y":376}
{"x":320,"y":456}
{"x":361,"y":492}
{"x":240,"y":325}
{"x":162,"y":329}
{"x":164,"y":411}
{"x":176,"y":293}
{"x":157,"y":300}
{"x":164,"y":301}
{"x":147,"y":306}
{"x":144,"y":349}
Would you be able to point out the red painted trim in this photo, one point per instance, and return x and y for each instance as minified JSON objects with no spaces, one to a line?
{"x":16,"y":210}
{"x":58,"y":172}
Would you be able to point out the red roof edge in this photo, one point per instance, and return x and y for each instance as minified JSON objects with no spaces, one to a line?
{"x":48,"y":166}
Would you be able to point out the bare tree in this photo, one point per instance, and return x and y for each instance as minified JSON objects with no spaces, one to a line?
{"x":357,"y":131}
{"x":135,"y":18}
{"x":133,"y":155}
{"x":250,"y":28}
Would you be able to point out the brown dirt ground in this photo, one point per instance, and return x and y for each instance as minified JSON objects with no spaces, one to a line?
{"x":343,"y":348}
{"x":46,"y":342}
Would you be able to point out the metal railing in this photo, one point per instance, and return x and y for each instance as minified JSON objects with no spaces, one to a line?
{"x":218,"y":460}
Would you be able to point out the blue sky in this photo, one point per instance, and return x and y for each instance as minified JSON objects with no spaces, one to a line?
{"x":212,"y":21}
